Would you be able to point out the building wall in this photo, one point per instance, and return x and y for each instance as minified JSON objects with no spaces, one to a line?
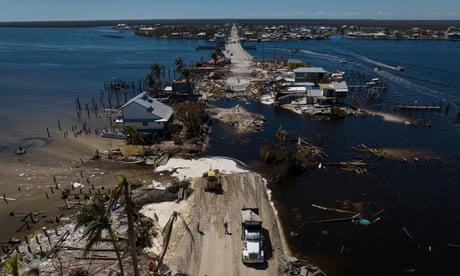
{"x":137,"y":116}
{"x":308,"y":77}
{"x":146,"y":126}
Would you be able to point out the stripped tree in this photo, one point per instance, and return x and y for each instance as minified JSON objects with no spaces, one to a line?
{"x":96,"y":218}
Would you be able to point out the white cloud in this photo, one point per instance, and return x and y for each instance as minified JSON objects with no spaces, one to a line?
{"x":447,"y":15}
{"x":322,"y":13}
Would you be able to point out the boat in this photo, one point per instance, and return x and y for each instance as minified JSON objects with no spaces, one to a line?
{"x":113,"y":135}
{"x":267,"y":99}
{"x":343,"y":60}
{"x":374,"y":82}
{"x":399,"y":68}
{"x":321,"y":105}
{"x":121,"y":26}
{"x":20,"y":151}
{"x":338,"y":75}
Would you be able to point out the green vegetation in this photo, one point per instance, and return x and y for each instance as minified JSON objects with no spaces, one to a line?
{"x":154,"y":81}
{"x":13,"y":265}
{"x":133,"y":136}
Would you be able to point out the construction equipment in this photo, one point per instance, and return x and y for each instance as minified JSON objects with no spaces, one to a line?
{"x":252,"y":236}
{"x":213,"y":182}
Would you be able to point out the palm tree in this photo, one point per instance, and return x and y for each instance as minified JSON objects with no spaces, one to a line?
{"x":96,"y":217}
{"x":150,"y":81}
{"x":154,"y":78}
{"x":214,"y":57}
{"x":187,"y":73}
{"x":12,"y":265}
{"x":123,"y":191}
{"x":134,"y":137}
{"x":167,"y":233}
{"x":179,"y":66}
{"x":156,"y":71}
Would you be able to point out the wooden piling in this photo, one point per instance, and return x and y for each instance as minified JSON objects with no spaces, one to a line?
{"x":48,"y":132}
{"x":453,"y":245}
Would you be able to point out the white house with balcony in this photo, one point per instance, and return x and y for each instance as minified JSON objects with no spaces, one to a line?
{"x":145,"y":113}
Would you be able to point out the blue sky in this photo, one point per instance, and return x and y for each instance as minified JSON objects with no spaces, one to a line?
{"x":46,"y":10}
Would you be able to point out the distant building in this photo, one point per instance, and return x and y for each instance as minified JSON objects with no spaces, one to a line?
{"x":311,"y":87}
{"x":182,"y":86}
{"x":201,"y":35}
{"x":309,"y":74}
{"x":294,"y":63}
{"x":334,"y":90}
{"x":145,"y":113}
{"x":452,"y":36}
{"x":220,"y":41}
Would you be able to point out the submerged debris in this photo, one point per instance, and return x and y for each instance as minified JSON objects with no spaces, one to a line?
{"x":293,"y":266}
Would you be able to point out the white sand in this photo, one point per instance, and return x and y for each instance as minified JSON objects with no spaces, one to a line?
{"x":184,"y":169}
{"x":189,"y":169}
{"x":163,"y":212}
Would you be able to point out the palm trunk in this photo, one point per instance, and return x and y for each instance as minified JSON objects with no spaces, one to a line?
{"x":132,"y":240}
{"x":117,"y":251}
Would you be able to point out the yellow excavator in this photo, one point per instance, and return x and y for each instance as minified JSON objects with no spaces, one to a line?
{"x":213,"y":182}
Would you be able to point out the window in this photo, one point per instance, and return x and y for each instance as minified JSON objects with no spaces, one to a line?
{"x":145,"y":124}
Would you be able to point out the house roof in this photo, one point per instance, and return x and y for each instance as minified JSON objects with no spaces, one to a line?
{"x":152,"y":106}
{"x":340,"y":86}
{"x":315,"y":93}
{"x":310,"y":70}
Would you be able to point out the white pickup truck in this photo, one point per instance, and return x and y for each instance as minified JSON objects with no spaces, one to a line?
{"x":251,"y":234}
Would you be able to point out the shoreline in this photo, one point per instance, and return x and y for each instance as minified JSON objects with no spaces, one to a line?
{"x":72,"y":168}
{"x":68,"y":161}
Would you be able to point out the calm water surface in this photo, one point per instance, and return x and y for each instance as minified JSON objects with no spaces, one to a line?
{"x":42,"y":71}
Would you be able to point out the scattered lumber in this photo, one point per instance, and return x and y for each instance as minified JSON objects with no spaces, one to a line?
{"x":333,"y":209}
{"x":335,"y":220}
{"x":453,"y":245}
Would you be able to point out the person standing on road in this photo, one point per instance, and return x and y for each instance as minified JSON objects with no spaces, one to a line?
{"x":226,"y":228}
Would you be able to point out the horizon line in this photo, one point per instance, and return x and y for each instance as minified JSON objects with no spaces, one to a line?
{"x":396,"y":23}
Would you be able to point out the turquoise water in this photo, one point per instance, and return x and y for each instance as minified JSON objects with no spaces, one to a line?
{"x":43,"y":71}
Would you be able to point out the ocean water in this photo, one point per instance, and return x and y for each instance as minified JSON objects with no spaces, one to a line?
{"x":43,"y":71}
{"x":46,"y":69}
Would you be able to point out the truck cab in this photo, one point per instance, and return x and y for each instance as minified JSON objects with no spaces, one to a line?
{"x":252,"y":237}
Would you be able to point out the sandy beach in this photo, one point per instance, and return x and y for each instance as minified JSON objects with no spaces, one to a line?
{"x":69,"y":161}
{"x":34,"y":182}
